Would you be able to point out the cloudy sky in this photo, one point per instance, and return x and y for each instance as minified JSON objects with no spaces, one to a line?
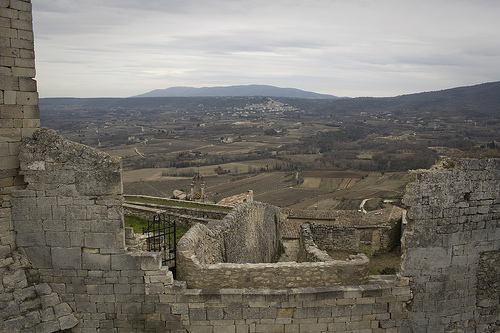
{"x":121,"y":48}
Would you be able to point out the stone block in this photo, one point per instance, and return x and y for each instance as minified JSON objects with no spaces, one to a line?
{"x":23,"y":62}
{"x":126,"y":261}
{"x":150,"y":261}
{"x":215,"y":314}
{"x":8,"y":83}
{"x":62,"y":309}
{"x":100,"y":240}
{"x":43,"y":289}
{"x":21,"y":295}
{"x":121,"y":288}
{"x":96,"y":261}
{"x":271,"y":328}
{"x":197,"y":315}
{"x":59,"y":239}
{"x":48,"y":327}
{"x":16,"y":279}
{"x":13,"y":325}
{"x":9,"y":97}
{"x":22,"y":71}
{"x":9,"y":162}
{"x":202,"y":329}
{"x":285,"y":313}
{"x":66,"y":257}
{"x":50,"y":300}
{"x":67,"y":322}
{"x":39,"y":256}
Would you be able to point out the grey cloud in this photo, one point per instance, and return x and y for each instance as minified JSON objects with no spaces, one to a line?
{"x":326,"y":44}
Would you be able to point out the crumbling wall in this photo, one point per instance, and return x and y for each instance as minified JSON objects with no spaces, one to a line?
{"x":250,"y":233}
{"x":488,"y":291}
{"x":375,"y":307}
{"x":69,"y":222}
{"x":453,"y":220}
{"x":335,"y":237}
{"x":19,"y":113}
{"x":25,"y":304}
{"x":69,"y":215}
{"x":352,"y":271}
{"x":203,"y":250}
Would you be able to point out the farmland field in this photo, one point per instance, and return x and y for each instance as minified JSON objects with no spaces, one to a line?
{"x":319,"y":189}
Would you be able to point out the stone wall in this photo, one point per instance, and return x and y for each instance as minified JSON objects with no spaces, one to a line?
{"x":488,"y":291}
{"x":376,"y":227}
{"x":25,"y":304}
{"x":453,"y":223}
{"x":335,"y":237}
{"x":450,"y":246}
{"x":351,"y":271}
{"x":69,"y":223}
{"x":379,"y":306}
{"x":19,"y":113}
{"x":204,"y":250}
{"x":70,"y":212}
{"x":250,"y":233}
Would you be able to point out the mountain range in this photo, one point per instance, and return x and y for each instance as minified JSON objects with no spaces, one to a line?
{"x":252,"y":90}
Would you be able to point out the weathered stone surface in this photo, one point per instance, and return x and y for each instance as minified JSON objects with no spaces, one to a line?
{"x":67,"y":322}
{"x":15,"y":280}
{"x":449,"y":209}
{"x":66,"y":205}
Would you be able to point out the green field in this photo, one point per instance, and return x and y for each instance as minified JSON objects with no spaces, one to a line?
{"x":138,"y":224}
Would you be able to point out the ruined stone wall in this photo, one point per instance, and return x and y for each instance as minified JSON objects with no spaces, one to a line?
{"x":202,"y":253}
{"x":450,"y":246}
{"x":375,"y":307}
{"x":351,"y":271}
{"x":449,"y":243}
{"x":333,"y":237}
{"x":24,"y":304}
{"x":248,"y":234}
{"x":69,"y":223}
{"x":19,"y":113}
{"x":70,"y":213}
{"x":252,"y":234}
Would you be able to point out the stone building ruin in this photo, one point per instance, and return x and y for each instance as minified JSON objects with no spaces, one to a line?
{"x":64,"y":265}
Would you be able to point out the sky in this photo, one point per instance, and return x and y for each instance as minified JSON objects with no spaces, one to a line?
{"x":348,"y":48}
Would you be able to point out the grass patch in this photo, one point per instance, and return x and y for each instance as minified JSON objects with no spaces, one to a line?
{"x":137,"y":224}
{"x":174,"y":203}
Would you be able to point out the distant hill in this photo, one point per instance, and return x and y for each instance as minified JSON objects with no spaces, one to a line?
{"x":474,"y":100}
{"x":235,"y":91}
{"x":478,"y":99}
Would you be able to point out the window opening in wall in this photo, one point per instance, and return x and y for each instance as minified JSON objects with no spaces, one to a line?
{"x":161,"y":237}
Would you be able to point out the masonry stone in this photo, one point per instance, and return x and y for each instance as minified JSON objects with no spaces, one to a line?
{"x":64,"y":264}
